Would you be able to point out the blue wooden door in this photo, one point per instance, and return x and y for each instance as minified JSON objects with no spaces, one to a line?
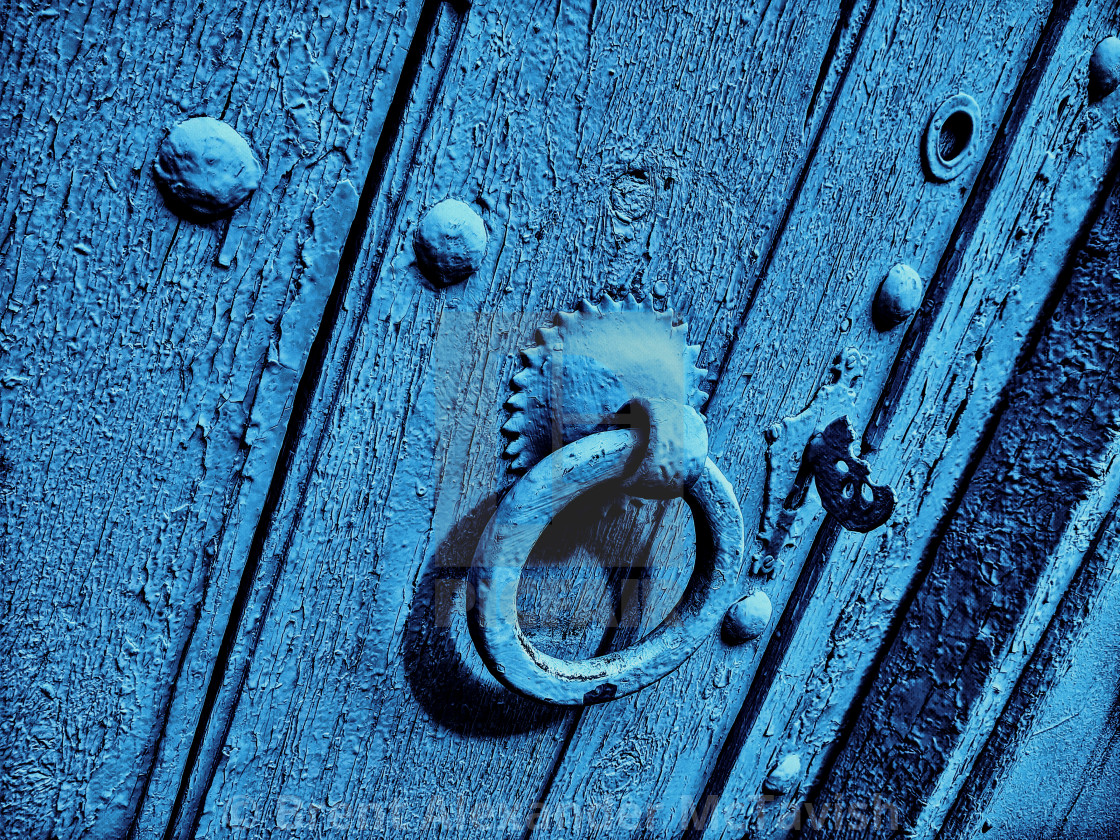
{"x":252,"y":436}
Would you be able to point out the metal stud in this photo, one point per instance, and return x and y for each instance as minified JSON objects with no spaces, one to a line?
{"x":899,"y":296}
{"x":747,"y":618}
{"x":783,"y":777}
{"x":1104,"y":69}
{"x":206,"y":169}
{"x":450,"y":242}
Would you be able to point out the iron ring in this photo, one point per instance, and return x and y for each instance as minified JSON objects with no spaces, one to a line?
{"x":518,"y":523}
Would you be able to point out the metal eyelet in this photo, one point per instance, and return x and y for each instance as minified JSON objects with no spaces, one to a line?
{"x":950,"y":139}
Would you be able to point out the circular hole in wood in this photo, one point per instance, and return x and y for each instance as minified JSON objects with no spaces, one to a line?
{"x":955,"y":137}
{"x":949,"y":144}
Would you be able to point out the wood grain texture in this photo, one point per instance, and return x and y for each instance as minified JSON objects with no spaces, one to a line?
{"x":195,"y":732}
{"x":148,"y":363}
{"x":1045,"y":175}
{"x":864,"y":206}
{"x":400,"y":458}
{"x":635,"y":752}
{"x":1014,"y":544}
{"x":1045,"y":772}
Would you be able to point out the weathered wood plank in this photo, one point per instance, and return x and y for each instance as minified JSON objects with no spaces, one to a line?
{"x":1013,"y":546}
{"x":196,"y":730}
{"x":936,"y":213}
{"x":148,"y":363}
{"x":1046,"y":771}
{"x":1044,"y":177}
{"x":865,"y":206}
{"x":396,"y":477}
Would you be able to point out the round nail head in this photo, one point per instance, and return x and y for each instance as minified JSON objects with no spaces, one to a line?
{"x":899,"y":296}
{"x":747,"y":618}
{"x":206,"y":169}
{"x":1104,"y":69}
{"x":783,"y":777}
{"x":450,"y":242}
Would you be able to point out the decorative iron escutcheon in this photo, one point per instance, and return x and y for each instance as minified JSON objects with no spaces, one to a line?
{"x":617,"y":364}
{"x":843,"y":479}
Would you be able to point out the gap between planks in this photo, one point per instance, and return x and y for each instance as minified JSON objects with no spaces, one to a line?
{"x":912,"y":348}
{"x":828,"y":67}
{"x":1085,"y":516}
{"x":258,"y":580}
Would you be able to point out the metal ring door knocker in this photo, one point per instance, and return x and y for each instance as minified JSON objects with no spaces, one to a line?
{"x":573,"y":384}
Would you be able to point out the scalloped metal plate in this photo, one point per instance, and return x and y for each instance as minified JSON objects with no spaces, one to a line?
{"x":588,"y":365}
